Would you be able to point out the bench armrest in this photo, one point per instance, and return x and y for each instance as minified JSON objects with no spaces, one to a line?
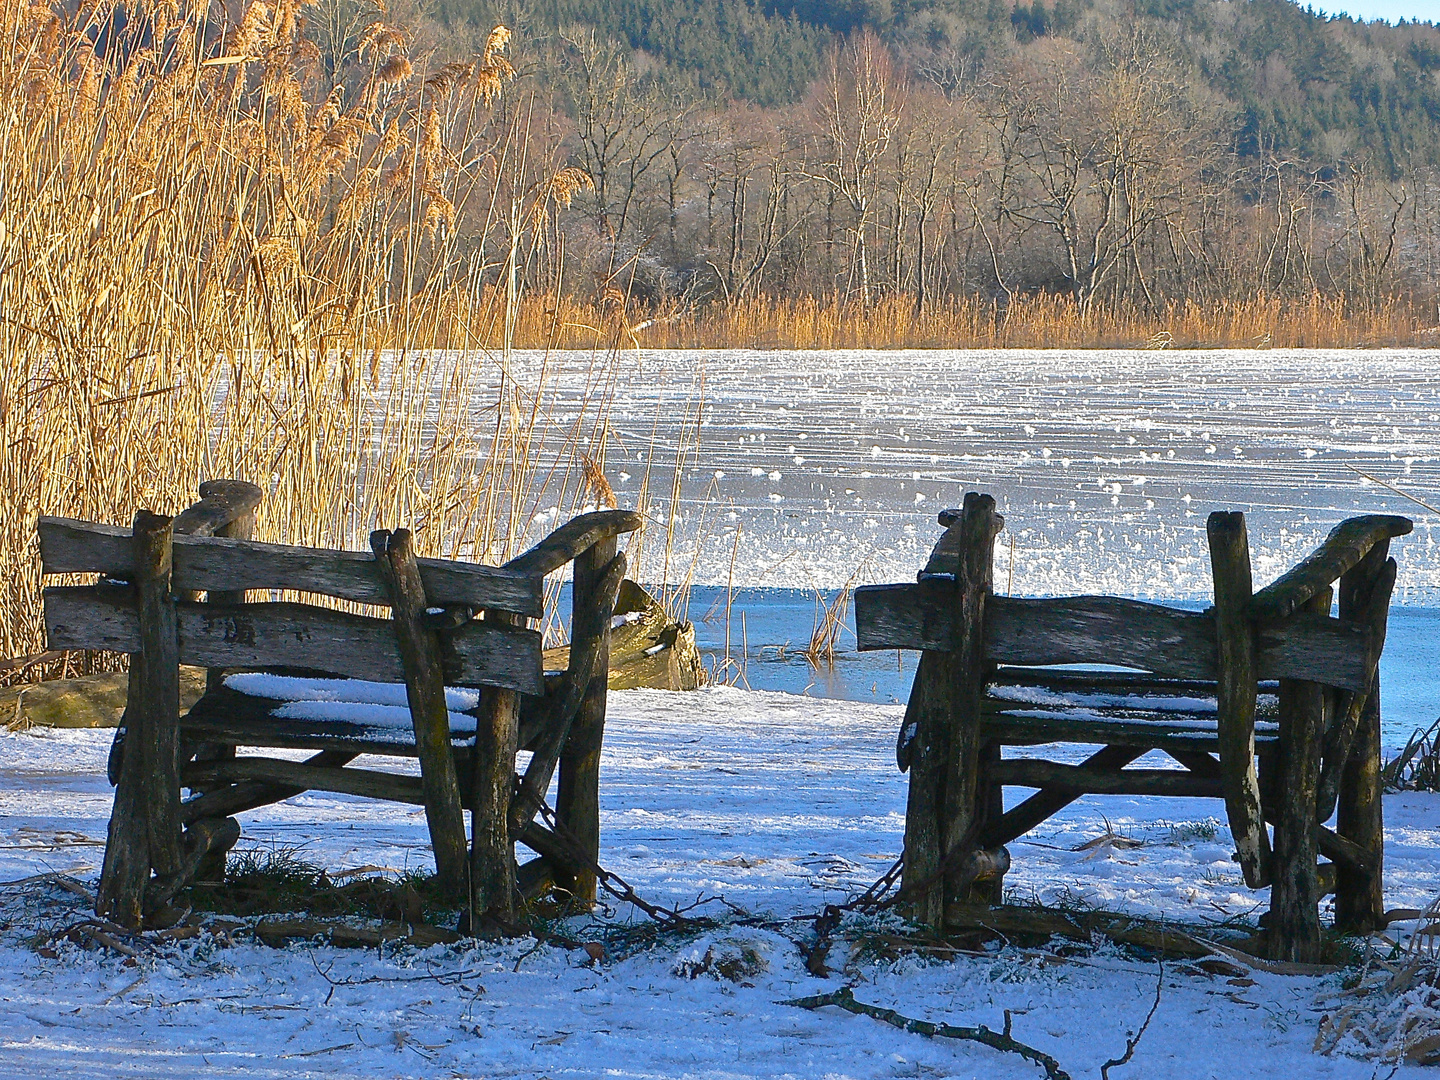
{"x":222,"y":502}
{"x":574,"y":537}
{"x":1347,"y":544}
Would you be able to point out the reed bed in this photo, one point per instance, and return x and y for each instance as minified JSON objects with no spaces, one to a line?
{"x":212,"y":264}
{"x":1045,"y":321}
{"x":1040,"y":322}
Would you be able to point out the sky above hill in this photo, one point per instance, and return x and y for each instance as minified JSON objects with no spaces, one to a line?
{"x":1389,"y":10}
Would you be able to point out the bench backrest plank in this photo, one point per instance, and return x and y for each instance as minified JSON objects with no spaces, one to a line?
{"x":292,"y":635}
{"x":216,"y":564}
{"x":1167,"y":641}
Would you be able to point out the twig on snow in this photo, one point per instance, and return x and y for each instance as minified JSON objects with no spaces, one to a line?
{"x":1132,"y":1041}
{"x":996,"y":1040}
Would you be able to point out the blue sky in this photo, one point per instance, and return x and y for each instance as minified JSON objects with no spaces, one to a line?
{"x":1393,"y":10}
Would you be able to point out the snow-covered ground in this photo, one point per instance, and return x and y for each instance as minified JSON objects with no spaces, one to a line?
{"x":778,"y":804}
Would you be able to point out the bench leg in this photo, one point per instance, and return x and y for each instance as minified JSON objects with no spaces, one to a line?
{"x":1293,"y":931}
{"x":991,"y":808}
{"x":145,"y":823}
{"x":923,"y":806}
{"x":1359,"y":896}
{"x":492,"y":854}
{"x":578,"y":802}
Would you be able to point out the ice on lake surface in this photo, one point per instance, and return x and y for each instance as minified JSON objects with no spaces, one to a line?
{"x":833,"y":465}
{"x":1105,"y":463}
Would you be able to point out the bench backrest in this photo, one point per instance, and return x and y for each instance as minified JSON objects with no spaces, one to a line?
{"x":1169,"y":642}
{"x":232,"y":633}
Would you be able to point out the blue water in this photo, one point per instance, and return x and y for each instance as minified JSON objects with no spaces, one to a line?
{"x":769,"y":629}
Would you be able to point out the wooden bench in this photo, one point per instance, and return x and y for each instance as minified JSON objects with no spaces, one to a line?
{"x":455,"y":678}
{"x":1264,"y":700}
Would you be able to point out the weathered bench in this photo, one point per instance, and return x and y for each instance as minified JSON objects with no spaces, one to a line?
{"x":1270,"y":678}
{"x":455,"y":677}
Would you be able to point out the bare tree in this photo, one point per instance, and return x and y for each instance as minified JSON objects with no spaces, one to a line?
{"x":856,"y":108}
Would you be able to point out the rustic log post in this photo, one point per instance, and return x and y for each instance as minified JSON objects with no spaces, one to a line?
{"x":978,"y":526}
{"x":562,"y":703}
{"x":1236,"y":692}
{"x":929,"y":744}
{"x":212,"y":865}
{"x":492,"y":851}
{"x":422,"y":660}
{"x":1359,"y":892}
{"x":1359,"y":895}
{"x":990,"y":808}
{"x":1365,"y":601}
{"x":1293,"y":927}
{"x":578,"y":802}
{"x":145,"y":822}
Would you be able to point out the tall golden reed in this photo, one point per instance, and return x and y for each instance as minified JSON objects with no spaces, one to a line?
{"x":212,"y":264}
{"x":1045,"y":321}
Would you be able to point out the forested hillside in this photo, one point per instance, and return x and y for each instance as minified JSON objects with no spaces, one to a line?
{"x":1298,"y":81}
{"x":1135,"y":155}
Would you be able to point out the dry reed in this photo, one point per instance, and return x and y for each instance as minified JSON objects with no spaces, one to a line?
{"x":216,"y":266}
{"x":1039,"y":322}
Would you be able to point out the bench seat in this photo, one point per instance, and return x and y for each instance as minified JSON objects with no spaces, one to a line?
{"x":301,"y":712}
{"x":1025,"y":707}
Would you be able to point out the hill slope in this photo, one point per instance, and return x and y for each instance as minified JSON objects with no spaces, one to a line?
{"x":1299,"y":82}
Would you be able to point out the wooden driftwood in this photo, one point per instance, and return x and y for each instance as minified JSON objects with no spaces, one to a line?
{"x":648,"y":649}
{"x":228,"y":565}
{"x":996,"y":1040}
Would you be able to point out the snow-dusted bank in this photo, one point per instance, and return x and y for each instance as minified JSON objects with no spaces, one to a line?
{"x":778,"y":804}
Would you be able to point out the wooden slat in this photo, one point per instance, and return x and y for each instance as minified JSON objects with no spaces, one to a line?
{"x":1101,"y":630}
{"x":218,"y":564}
{"x":391,"y":787}
{"x":1048,"y":774}
{"x":1049,"y":801}
{"x":1108,"y":630}
{"x":225,"y":715}
{"x":291,"y":635}
{"x":1158,"y":729}
{"x":906,"y":616}
{"x":1342,"y":550}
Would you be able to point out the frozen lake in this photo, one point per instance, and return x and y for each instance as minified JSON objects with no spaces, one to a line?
{"x":1104,"y":463}
{"x":805,"y":470}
